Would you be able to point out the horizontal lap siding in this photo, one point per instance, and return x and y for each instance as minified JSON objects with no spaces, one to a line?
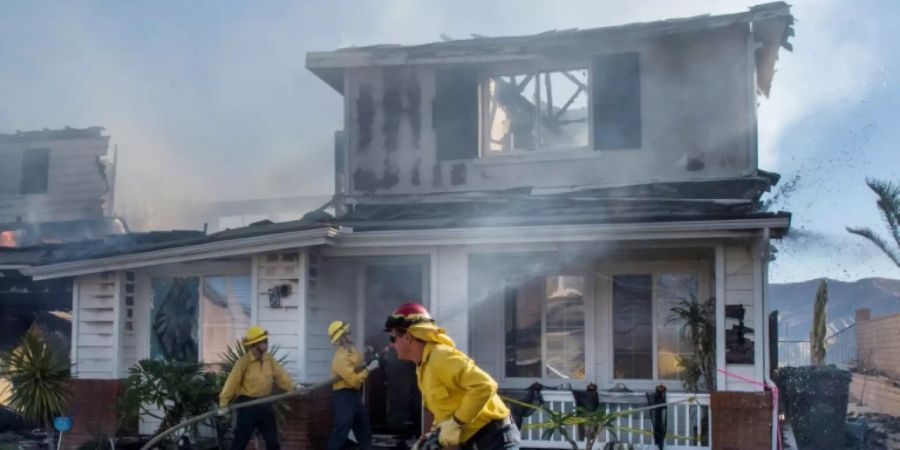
{"x":740,"y":289}
{"x":76,"y":190}
{"x":283,"y":323}
{"x":96,"y":326}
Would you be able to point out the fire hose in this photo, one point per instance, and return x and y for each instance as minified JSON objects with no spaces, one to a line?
{"x":259,"y":401}
{"x":233,"y":407}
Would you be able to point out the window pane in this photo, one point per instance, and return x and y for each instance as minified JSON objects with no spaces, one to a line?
{"x":617,"y":101}
{"x":226,"y":314}
{"x":564,"y":109}
{"x":35,"y":169}
{"x":672,"y":289}
{"x":565,"y":327}
{"x":633,"y":326}
{"x":523,"y":327}
{"x":173,"y":330}
{"x":512,"y":114}
{"x":455,"y":114}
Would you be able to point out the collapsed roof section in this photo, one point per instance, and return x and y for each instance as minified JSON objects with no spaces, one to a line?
{"x":770,"y":23}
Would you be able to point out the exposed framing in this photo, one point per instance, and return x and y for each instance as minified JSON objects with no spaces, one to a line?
{"x":530,"y":69}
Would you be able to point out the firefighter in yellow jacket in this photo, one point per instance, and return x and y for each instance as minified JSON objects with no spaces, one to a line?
{"x":252,"y":377}
{"x":467,"y":410}
{"x":348,"y":371}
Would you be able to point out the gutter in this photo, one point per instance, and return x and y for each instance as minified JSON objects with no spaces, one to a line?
{"x":219,"y":249}
{"x":704,"y":229}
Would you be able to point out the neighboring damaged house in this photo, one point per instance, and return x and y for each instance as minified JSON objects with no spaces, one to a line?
{"x":550,"y":198}
{"x":55,"y":187}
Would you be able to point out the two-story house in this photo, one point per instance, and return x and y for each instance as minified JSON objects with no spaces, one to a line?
{"x":550,"y":198}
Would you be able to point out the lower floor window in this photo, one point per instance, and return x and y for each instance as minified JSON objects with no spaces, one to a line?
{"x":544,"y":327}
{"x":647,"y":338}
{"x":194,"y":319}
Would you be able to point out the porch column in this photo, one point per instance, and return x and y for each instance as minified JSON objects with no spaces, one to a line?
{"x":450,"y":305}
{"x":720,"y":314}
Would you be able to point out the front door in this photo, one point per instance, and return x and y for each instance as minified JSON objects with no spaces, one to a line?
{"x":392,"y":397}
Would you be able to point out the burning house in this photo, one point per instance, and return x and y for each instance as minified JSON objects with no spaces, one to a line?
{"x":550,"y":198}
{"x":55,"y":188}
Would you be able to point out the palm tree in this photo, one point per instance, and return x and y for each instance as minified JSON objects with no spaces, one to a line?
{"x":698,"y":327}
{"x":39,"y":375}
{"x":889,"y":204}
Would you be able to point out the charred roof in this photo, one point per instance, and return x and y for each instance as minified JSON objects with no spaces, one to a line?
{"x":771,"y":26}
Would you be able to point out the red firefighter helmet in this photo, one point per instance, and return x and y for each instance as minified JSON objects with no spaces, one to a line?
{"x":406,"y":315}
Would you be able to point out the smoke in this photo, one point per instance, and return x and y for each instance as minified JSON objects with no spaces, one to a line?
{"x":211,"y":101}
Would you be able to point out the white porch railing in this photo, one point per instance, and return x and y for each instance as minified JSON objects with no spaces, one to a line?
{"x":685,"y":422}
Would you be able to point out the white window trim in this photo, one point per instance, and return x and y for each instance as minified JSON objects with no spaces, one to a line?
{"x":540,"y":153}
{"x":605,"y":274}
{"x":143,"y":308}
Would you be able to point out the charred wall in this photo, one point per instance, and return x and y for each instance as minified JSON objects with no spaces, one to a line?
{"x":696,"y":112}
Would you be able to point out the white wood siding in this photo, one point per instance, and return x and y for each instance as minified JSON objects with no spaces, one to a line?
{"x":283,"y":323}
{"x":76,"y":189}
{"x":95,"y":336}
{"x":742,"y":288}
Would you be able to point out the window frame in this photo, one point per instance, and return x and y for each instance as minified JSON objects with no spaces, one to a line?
{"x":550,"y":261}
{"x":605,"y":274}
{"x":144,"y":297}
{"x":27,"y":156}
{"x":484,"y":98}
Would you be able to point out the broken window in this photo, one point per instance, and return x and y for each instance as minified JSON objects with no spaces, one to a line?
{"x":225,"y":314}
{"x":174,"y":318}
{"x":616,"y":101}
{"x":543,"y":110}
{"x":643,"y":324}
{"x":544,"y":327}
{"x":35,"y":168}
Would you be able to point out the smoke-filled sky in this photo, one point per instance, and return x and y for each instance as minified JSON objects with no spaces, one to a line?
{"x":210,"y":100}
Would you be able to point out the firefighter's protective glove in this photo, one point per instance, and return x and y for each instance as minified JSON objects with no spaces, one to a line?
{"x":222,"y":412}
{"x":374,"y":364}
{"x":449,"y":433}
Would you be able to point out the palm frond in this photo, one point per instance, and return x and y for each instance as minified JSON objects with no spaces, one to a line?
{"x":889,"y":206}
{"x":874,"y":238}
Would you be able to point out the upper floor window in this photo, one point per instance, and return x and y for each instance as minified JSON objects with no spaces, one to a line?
{"x":35,"y":171}
{"x":536,"y":111}
{"x":594,"y":105}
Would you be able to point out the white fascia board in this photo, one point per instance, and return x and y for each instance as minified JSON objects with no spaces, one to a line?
{"x":210,"y":250}
{"x":741,"y":228}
